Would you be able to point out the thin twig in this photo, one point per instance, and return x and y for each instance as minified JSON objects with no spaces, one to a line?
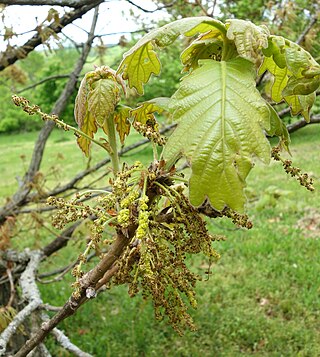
{"x":12,"y":288}
{"x":150,"y":11}
{"x":44,"y":80}
{"x":311,"y":23}
{"x":204,"y":10}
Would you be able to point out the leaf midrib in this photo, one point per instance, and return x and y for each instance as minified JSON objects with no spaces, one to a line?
{"x":223,"y":106}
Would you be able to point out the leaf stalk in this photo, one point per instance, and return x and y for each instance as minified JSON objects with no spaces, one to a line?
{"x":113,"y":144}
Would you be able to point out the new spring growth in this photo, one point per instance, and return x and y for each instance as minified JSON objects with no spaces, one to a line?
{"x":150,"y":132}
{"x":304,"y":179}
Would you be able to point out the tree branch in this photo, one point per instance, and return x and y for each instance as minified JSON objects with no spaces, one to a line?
{"x":30,"y":293}
{"x":89,"y":280}
{"x":20,"y":197}
{"x":204,"y":10}
{"x":314,"y":119}
{"x":44,"y":80}
{"x":89,"y":283}
{"x":12,"y":288}
{"x":70,"y":3}
{"x":150,"y":11}
{"x":64,"y":340}
{"x":312,"y":22}
{"x":7,"y":58}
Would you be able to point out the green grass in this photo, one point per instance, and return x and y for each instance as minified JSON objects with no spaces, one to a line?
{"x":262,"y":298}
{"x":62,"y":159}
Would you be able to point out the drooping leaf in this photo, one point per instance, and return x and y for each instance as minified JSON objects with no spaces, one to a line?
{"x":53,"y":14}
{"x":121,"y":119}
{"x":280,"y":79}
{"x":102,"y":99}
{"x":301,"y":104}
{"x":296,"y":74}
{"x":140,"y":65}
{"x":221,"y":117}
{"x":302,"y":86}
{"x":278,"y":128}
{"x":84,"y":119}
{"x":140,"y":62}
{"x":89,"y":127}
{"x":248,"y":38}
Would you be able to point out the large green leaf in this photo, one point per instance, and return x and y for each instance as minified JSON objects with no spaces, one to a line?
{"x":141,"y":61}
{"x":221,"y":120}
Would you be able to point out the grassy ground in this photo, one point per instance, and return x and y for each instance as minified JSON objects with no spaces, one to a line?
{"x":262,"y":297}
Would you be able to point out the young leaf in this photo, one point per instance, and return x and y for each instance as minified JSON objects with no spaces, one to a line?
{"x":247,"y":37}
{"x":301,"y":104}
{"x":296,"y":74}
{"x":140,"y":65}
{"x":84,"y":119}
{"x":141,"y":61}
{"x":80,"y":107}
{"x":278,"y":128}
{"x":204,"y":47}
{"x":96,"y":100}
{"x":144,"y":112}
{"x":121,"y":118}
{"x":221,"y":120}
{"x":280,"y":77}
{"x":102,"y":99}
{"x":89,"y":127}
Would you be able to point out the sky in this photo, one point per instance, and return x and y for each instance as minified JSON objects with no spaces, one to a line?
{"x":114,"y":18}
